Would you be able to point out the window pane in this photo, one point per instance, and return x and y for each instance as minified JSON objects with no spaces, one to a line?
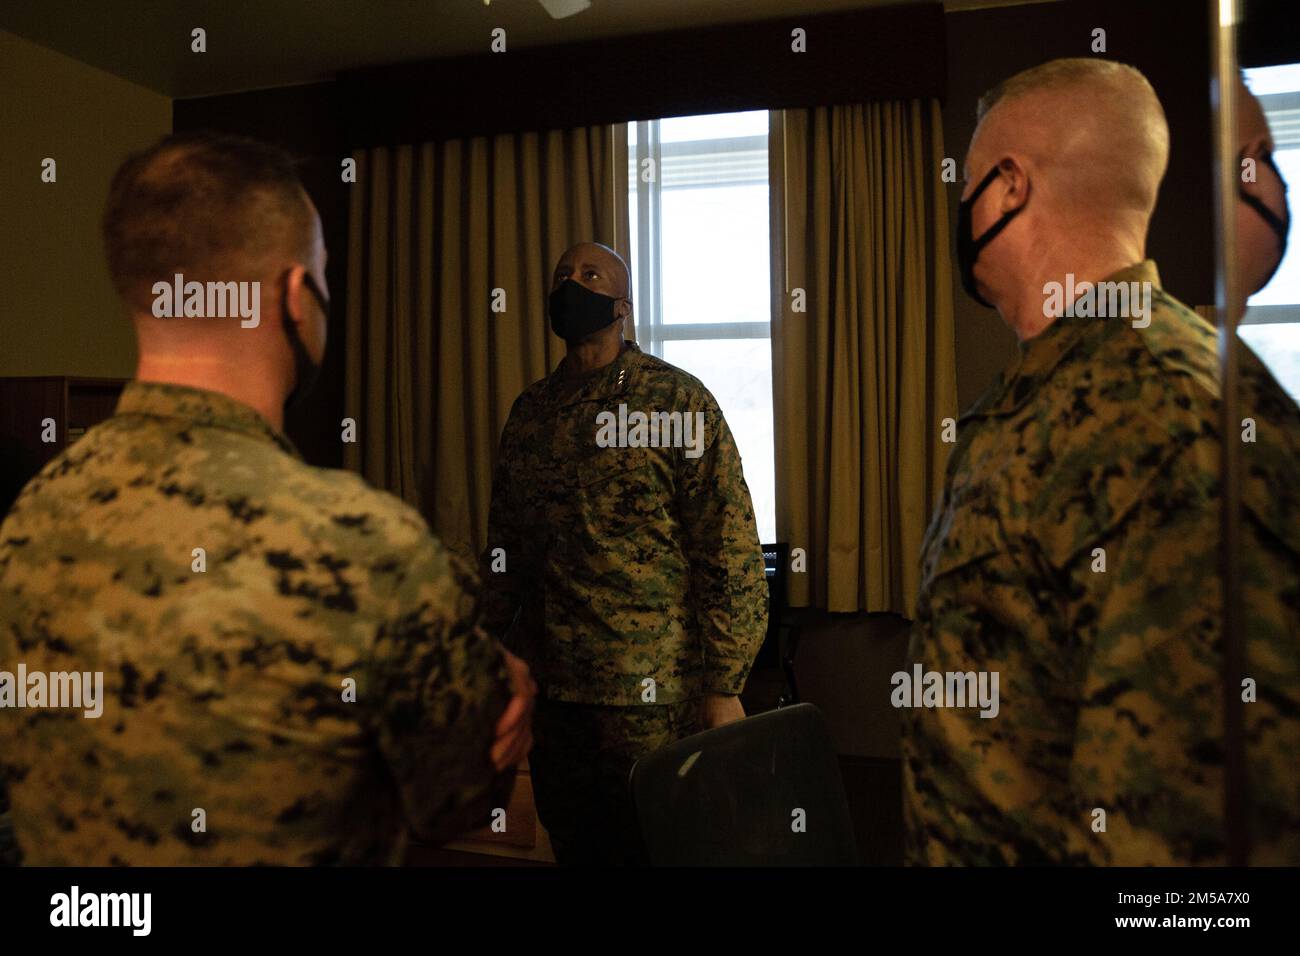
{"x":715,"y":260}
{"x":739,"y":374}
{"x":1278,"y":345}
{"x":1270,"y":80}
{"x":715,"y":126}
{"x":708,"y":250}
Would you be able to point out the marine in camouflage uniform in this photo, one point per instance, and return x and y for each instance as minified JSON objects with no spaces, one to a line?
{"x":1106,"y":436}
{"x":633,"y":585}
{"x":224,"y":688}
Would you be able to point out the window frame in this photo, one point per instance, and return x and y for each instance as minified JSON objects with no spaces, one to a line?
{"x":651,"y":330}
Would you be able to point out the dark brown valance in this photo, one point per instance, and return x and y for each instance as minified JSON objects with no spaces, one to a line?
{"x":888,"y":53}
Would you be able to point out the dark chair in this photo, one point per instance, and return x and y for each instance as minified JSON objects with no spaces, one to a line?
{"x":731,"y":796}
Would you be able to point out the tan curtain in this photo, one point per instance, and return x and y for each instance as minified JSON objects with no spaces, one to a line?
{"x":432,"y":369}
{"x":864,"y":377}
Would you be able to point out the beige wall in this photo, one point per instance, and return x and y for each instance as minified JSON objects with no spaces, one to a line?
{"x":58,"y":312}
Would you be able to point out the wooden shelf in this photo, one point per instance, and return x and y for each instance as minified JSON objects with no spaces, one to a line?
{"x":74,"y":403}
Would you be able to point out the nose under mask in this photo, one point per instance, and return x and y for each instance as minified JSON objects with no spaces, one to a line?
{"x":575,"y":311}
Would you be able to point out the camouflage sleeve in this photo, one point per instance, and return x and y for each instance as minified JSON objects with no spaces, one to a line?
{"x":1270,"y":580}
{"x":1014,"y":592}
{"x":498,"y":595}
{"x":1148,"y":737}
{"x":728,"y":583}
{"x":989,"y":790}
{"x":436,"y":686}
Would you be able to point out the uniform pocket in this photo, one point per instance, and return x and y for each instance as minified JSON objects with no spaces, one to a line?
{"x":620,"y":490}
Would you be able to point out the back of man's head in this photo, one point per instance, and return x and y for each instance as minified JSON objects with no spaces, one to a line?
{"x":1094,"y":129}
{"x":212,"y":207}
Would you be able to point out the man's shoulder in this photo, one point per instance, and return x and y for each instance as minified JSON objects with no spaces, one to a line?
{"x":531,"y":394}
{"x":126,"y":475}
{"x":655,"y":383}
{"x":1180,"y":343}
{"x":1136,"y":411}
{"x":1173,"y":351}
{"x":1270,"y":436}
{"x":338,"y":515}
{"x":1141,"y":378}
{"x":652,"y":368}
{"x":352,"y":506}
{"x":658,"y":377}
{"x":1111,"y":427}
{"x":288,"y":489}
{"x":1168,"y":371}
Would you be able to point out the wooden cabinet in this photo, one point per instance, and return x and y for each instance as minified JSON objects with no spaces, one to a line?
{"x":34,"y":409}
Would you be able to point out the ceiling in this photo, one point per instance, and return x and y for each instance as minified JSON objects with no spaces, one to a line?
{"x":254,"y":44}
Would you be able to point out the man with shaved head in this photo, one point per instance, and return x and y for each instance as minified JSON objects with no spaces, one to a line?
{"x":1074,"y":555}
{"x":289,"y":664}
{"x":623,"y":561}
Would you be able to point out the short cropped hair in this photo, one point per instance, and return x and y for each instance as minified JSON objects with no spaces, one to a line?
{"x":210,"y":206}
{"x":1120,"y":162}
{"x":1064,"y":72}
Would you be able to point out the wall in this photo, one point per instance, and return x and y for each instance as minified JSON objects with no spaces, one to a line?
{"x":59,"y":314}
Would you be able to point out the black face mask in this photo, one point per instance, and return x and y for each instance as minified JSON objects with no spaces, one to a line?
{"x":306,"y":369}
{"x":1280,"y":225}
{"x":576,"y":311}
{"x":968,"y":247}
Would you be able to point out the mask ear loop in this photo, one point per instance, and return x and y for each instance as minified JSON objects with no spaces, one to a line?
{"x":968,"y":246}
{"x":991,"y":175}
{"x":316,"y":291}
{"x":992,"y":231}
{"x":1280,"y":225}
{"x":305,"y":369}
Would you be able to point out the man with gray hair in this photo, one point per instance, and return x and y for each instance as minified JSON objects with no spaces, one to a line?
{"x":1075,"y":550}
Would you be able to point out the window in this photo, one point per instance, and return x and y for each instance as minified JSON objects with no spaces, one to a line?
{"x":1271,"y":325}
{"x":698,"y":221}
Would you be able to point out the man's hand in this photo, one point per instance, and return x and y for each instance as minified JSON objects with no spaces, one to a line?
{"x":719,"y":709}
{"x":515,"y":728}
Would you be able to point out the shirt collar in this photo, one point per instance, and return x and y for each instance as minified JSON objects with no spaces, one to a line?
{"x":600,"y":384}
{"x":200,"y":407}
{"x":1036,"y":358}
